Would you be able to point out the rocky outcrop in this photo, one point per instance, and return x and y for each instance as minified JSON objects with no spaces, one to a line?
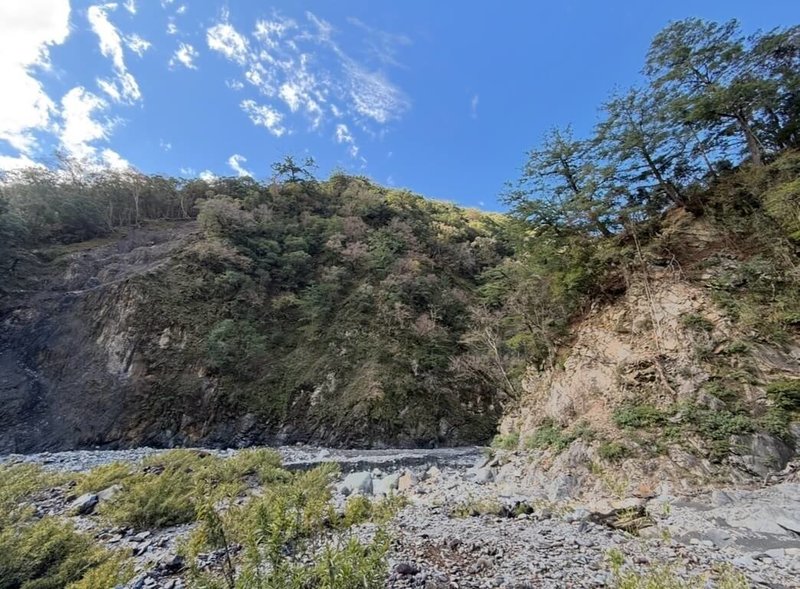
{"x":665,"y":345}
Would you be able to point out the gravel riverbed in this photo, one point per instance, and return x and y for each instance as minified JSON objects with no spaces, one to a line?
{"x":442,"y":541}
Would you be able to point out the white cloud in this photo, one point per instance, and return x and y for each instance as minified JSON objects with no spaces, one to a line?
{"x":207,"y":175}
{"x":271,"y":32}
{"x":236,"y":162}
{"x":27,"y":30}
{"x":265,"y":116}
{"x":473,"y":106}
{"x":165,"y":145}
{"x":225,"y":39}
{"x":373,"y":95}
{"x":111,"y":47}
{"x":234,"y":84}
{"x":172,"y":29}
{"x":130,"y":6}
{"x":113,"y":160}
{"x":79,"y":127}
{"x":136,"y":44}
{"x":181,"y":9}
{"x":8,"y":162}
{"x":380,"y":44}
{"x":185,"y":54}
{"x":343,"y":135}
{"x":301,"y":65}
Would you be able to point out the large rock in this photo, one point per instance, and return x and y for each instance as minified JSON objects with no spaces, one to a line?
{"x":107,"y":494}
{"x":483,"y":475}
{"x":760,"y":453}
{"x":386,"y":485}
{"x":767,"y":519}
{"x":84,"y":505}
{"x":406,"y":481}
{"x":357,"y":482}
{"x":561,"y":488}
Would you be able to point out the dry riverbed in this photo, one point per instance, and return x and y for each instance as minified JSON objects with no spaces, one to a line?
{"x":468,"y":523}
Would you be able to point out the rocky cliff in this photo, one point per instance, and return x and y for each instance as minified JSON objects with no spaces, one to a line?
{"x":665,"y":383}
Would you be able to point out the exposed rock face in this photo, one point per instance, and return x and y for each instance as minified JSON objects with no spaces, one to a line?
{"x":636,"y":344}
{"x":105,"y":344}
{"x":664,"y":343}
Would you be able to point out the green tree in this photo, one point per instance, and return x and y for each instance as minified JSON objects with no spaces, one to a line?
{"x":291,"y":171}
{"x":564,"y":187}
{"x":706,"y":71}
{"x":647,"y":150}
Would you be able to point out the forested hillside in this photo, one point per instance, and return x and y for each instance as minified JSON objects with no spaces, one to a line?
{"x":234,"y":311}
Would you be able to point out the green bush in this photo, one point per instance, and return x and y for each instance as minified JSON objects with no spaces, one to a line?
{"x":280,"y":531}
{"x":154,"y":500}
{"x":102,"y":477}
{"x":697,"y":322}
{"x":613,"y":451}
{"x":49,"y":554}
{"x":509,"y":441}
{"x":169,"y":486}
{"x":785,"y":394}
{"x":638,"y":415}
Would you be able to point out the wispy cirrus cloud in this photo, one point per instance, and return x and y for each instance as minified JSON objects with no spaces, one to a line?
{"x":124,"y":87}
{"x":136,"y":44}
{"x":299,"y":68}
{"x":224,"y":38}
{"x":265,"y":116}
{"x":184,"y":55}
{"x":343,"y":136}
{"x":473,"y":106}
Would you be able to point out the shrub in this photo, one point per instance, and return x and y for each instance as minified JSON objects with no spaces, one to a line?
{"x":153,"y":500}
{"x":613,"y":451}
{"x":636,"y":415}
{"x":509,"y":441}
{"x":696,"y":322}
{"x":785,"y":394}
{"x":102,"y":477}
{"x":49,"y":554}
{"x":278,"y":532}
{"x":169,"y":486}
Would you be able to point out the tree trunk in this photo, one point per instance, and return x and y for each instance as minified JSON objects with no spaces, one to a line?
{"x":753,"y":144}
{"x":668,"y":186}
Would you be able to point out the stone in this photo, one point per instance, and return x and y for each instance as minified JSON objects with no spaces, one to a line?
{"x":562,"y":488}
{"x":767,"y":519}
{"x":108,"y":493}
{"x":406,"y":568}
{"x":760,"y":453}
{"x":720,"y":498}
{"x":484,"y":475}
{"x":357,"y":482}
{"x":386,"y":485}
{"x":433,"y":473}
{"x":173,"y":563}
{"x":578,"y":515}
{"x":406,"y":481}
{"x":84,"y":505}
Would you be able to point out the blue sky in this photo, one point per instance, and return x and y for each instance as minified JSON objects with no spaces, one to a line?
{"x":441,"y":97}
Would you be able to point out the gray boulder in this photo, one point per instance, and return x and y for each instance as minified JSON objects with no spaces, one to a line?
{"x":357,"y":482}
{"x":760,"y":453}
{"x":84,"y":505}
{"x":386,"y":485}
{"x":484,"y":475}
{"x":108,"y":493}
